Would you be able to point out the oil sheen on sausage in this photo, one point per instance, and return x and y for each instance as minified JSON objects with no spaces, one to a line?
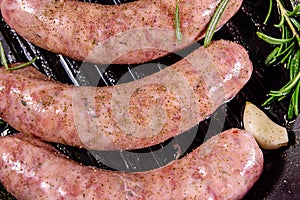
{"x":225,"y":167}
{"x":131,"y":115}
{"x":128,"y":33}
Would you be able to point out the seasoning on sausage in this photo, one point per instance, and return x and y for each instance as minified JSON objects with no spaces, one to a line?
{"x":225,"y":167}
{"x":132,"y":115}
{"x":133,"y":32}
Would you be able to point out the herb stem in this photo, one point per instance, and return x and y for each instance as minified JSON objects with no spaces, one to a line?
{"x":284,"y":13}
{"x":3,"y":61}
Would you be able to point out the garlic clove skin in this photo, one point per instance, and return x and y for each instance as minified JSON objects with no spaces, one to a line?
{"x":267,"y":133}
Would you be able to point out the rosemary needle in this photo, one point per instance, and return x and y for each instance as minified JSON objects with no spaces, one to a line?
{"x":214,"y":22}
{"x":3,"y":57}
{"x":177,"y":23}
{"x":22,"y":65}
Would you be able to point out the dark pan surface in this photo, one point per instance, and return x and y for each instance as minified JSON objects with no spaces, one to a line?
{"x":281,"y":176}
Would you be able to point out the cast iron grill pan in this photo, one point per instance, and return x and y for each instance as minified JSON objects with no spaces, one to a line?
{"x":280,"y":178}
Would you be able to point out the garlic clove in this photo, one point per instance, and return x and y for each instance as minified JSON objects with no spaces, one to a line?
{"x":267,"y":133}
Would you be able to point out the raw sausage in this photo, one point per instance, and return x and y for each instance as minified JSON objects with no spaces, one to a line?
{"x":128,"y":33}
{"x":132,"y":115}
{"x":225,"y":167}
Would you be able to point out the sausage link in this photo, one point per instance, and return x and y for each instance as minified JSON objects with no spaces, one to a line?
{"x":128,"y":33}
{"x":225,"y":167}
{"x":132,"y":115}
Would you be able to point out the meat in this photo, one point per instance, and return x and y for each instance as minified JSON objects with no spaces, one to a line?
{"x":126,"y":116}
{"x":225,"y":167}
{"x":129,"y":33}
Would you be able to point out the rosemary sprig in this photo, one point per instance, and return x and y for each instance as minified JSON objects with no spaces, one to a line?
{"x":214,"y":22}
{"x":286,"y":52}
{"x":5,"y":64}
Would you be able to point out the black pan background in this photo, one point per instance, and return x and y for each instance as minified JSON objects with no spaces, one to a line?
{"x":281,"y":177}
